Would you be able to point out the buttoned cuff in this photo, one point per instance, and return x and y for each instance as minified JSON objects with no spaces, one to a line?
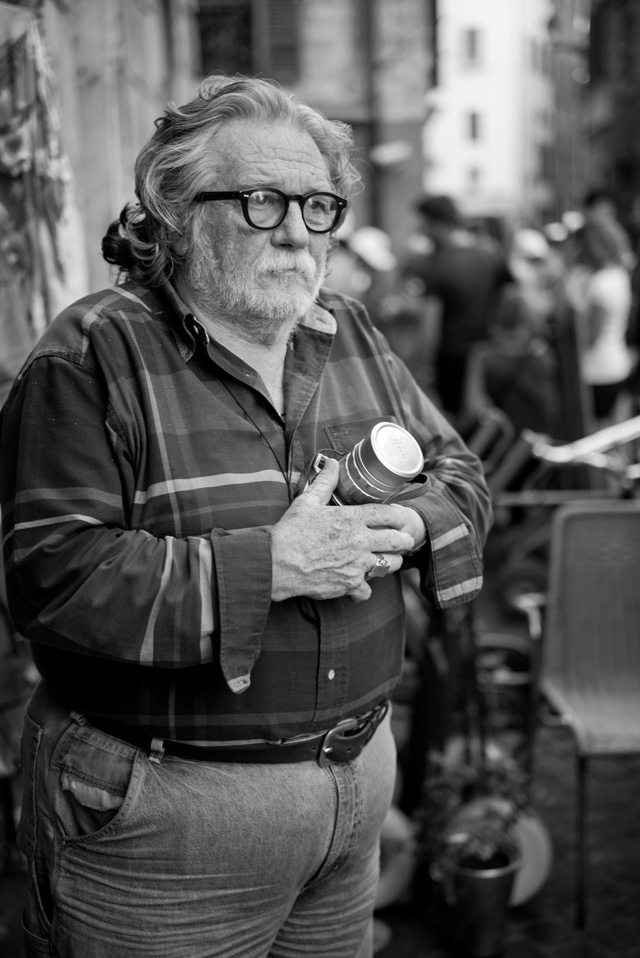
{"x":450,"y":562}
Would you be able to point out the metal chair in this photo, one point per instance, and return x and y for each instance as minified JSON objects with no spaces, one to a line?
{"x":590,"y":661}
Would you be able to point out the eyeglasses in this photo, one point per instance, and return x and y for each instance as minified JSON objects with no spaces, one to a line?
{"x":265,"y":209}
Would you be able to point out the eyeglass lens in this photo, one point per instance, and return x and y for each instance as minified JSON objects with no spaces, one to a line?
{"x":266,"y":208}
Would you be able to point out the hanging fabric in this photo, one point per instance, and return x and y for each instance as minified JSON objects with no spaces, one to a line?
{"x":35,"y":192}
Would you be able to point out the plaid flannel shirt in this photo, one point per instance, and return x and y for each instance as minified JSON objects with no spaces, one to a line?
{"x":142,"y":467}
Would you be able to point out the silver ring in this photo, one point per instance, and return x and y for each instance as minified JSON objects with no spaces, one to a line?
{"x":381,"y":567}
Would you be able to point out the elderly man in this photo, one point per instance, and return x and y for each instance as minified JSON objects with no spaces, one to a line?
{"x":208,"y":758}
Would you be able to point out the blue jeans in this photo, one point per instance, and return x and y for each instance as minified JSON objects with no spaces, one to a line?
{"x":191,"y":859}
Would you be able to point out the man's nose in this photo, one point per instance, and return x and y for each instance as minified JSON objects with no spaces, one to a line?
{"x":292,"y":231}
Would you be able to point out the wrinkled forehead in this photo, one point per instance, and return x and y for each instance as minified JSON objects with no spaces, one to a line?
{"x":250,"y":153}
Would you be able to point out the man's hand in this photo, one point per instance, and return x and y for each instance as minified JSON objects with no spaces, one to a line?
{"x":325,"y":551}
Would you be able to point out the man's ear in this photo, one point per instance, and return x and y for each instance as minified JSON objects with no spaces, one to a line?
{"x":180,"y":245}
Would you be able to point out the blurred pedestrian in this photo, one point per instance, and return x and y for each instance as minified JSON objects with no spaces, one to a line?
{"x":600,"y":210}
{"x":363,"y":265}
{"x":463,"y":276}
{"x":534,"y":269}
{"x":515,"y":368}
{"x":601,"y":289}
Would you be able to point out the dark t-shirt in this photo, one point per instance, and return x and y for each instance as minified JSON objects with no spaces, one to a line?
{"x":465,"y":279}
{"x":524,"y":384}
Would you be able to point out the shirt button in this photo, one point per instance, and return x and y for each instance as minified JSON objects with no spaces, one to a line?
{"x":331,"y":674}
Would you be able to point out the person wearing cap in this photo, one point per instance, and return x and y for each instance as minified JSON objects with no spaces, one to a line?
{"x":462,"y":275}
{"x":363,"y":266}
{"x":208,"y":756}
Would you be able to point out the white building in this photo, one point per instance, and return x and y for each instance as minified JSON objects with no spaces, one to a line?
{"x":490,"y":116}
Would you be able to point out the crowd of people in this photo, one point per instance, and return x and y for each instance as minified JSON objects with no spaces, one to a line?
{"x":482,"y":321}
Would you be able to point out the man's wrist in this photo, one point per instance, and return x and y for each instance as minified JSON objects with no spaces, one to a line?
{"x":422,"y":534}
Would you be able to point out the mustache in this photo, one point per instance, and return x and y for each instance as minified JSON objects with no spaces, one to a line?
{"x":287,"y":262}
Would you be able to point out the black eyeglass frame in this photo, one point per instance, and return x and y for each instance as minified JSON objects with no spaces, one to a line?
{"x":243,"y":195}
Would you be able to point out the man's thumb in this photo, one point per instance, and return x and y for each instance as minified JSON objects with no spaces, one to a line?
{"x":321,"y":487}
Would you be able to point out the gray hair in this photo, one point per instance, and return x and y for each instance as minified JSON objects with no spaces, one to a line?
{"x":177,"y":162}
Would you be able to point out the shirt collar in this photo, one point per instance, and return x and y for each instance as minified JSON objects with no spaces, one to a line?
{"x":188,"y":329}
{"x":192,"y":333}
{"x":320,"y":318}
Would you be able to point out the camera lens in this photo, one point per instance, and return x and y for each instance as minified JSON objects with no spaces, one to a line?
{"x":378,"y":466}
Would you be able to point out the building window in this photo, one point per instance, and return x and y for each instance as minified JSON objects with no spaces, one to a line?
{"x":250,"y":37}
{"x":473,"y":126}
{"x":629,"y":44}
{"x":536,"y":60}
{"x":545,"y":161}
{"x":545,"y":59}
{"x":471,"y":43}
{"x":474,"y":177}
{"x":600,"y":45}
{"x":278,"y":39}
{"x":225,"y":29}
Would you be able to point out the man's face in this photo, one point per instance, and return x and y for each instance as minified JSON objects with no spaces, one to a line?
{"x":257,"y":280}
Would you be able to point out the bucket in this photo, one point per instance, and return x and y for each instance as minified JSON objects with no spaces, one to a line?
{"x":530,"y":835}
{"x":477,"y":901}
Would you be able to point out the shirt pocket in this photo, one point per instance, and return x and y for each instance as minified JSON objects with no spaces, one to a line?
{"x":343,"y":437}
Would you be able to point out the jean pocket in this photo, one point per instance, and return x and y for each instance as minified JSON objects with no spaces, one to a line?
{"x":34,"y":946}
{"x":94,"y":778}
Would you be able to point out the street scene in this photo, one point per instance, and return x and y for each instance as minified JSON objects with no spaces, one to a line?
{"x":319,"y":471}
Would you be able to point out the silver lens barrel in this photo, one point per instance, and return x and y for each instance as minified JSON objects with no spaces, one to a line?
{"x":378,"y":466}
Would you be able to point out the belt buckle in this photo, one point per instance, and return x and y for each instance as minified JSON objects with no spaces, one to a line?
{"x":326,"y":748}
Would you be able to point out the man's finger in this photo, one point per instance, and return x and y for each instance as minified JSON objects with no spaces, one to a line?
{"x":320,"y":489}
{"x":361,"y":593}
{"x":383,"y":564}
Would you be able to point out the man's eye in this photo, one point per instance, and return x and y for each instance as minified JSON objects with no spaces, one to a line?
{"x":320,"y":204}
{"x":264,"y":199}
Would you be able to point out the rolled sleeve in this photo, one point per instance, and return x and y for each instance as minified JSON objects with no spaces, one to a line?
{"x":453,"y":501}
{"x":243,"y":572}
{"x":450,"y":561}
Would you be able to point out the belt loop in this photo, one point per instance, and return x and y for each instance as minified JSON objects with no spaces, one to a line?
{"x":157,"y":750}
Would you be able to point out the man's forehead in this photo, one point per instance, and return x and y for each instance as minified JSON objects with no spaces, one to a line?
{"x":256,"y":152}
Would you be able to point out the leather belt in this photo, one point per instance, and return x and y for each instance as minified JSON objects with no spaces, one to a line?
{"x":343,"y":743}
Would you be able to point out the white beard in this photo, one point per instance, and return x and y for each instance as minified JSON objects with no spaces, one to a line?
{"x":278,"y":290}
